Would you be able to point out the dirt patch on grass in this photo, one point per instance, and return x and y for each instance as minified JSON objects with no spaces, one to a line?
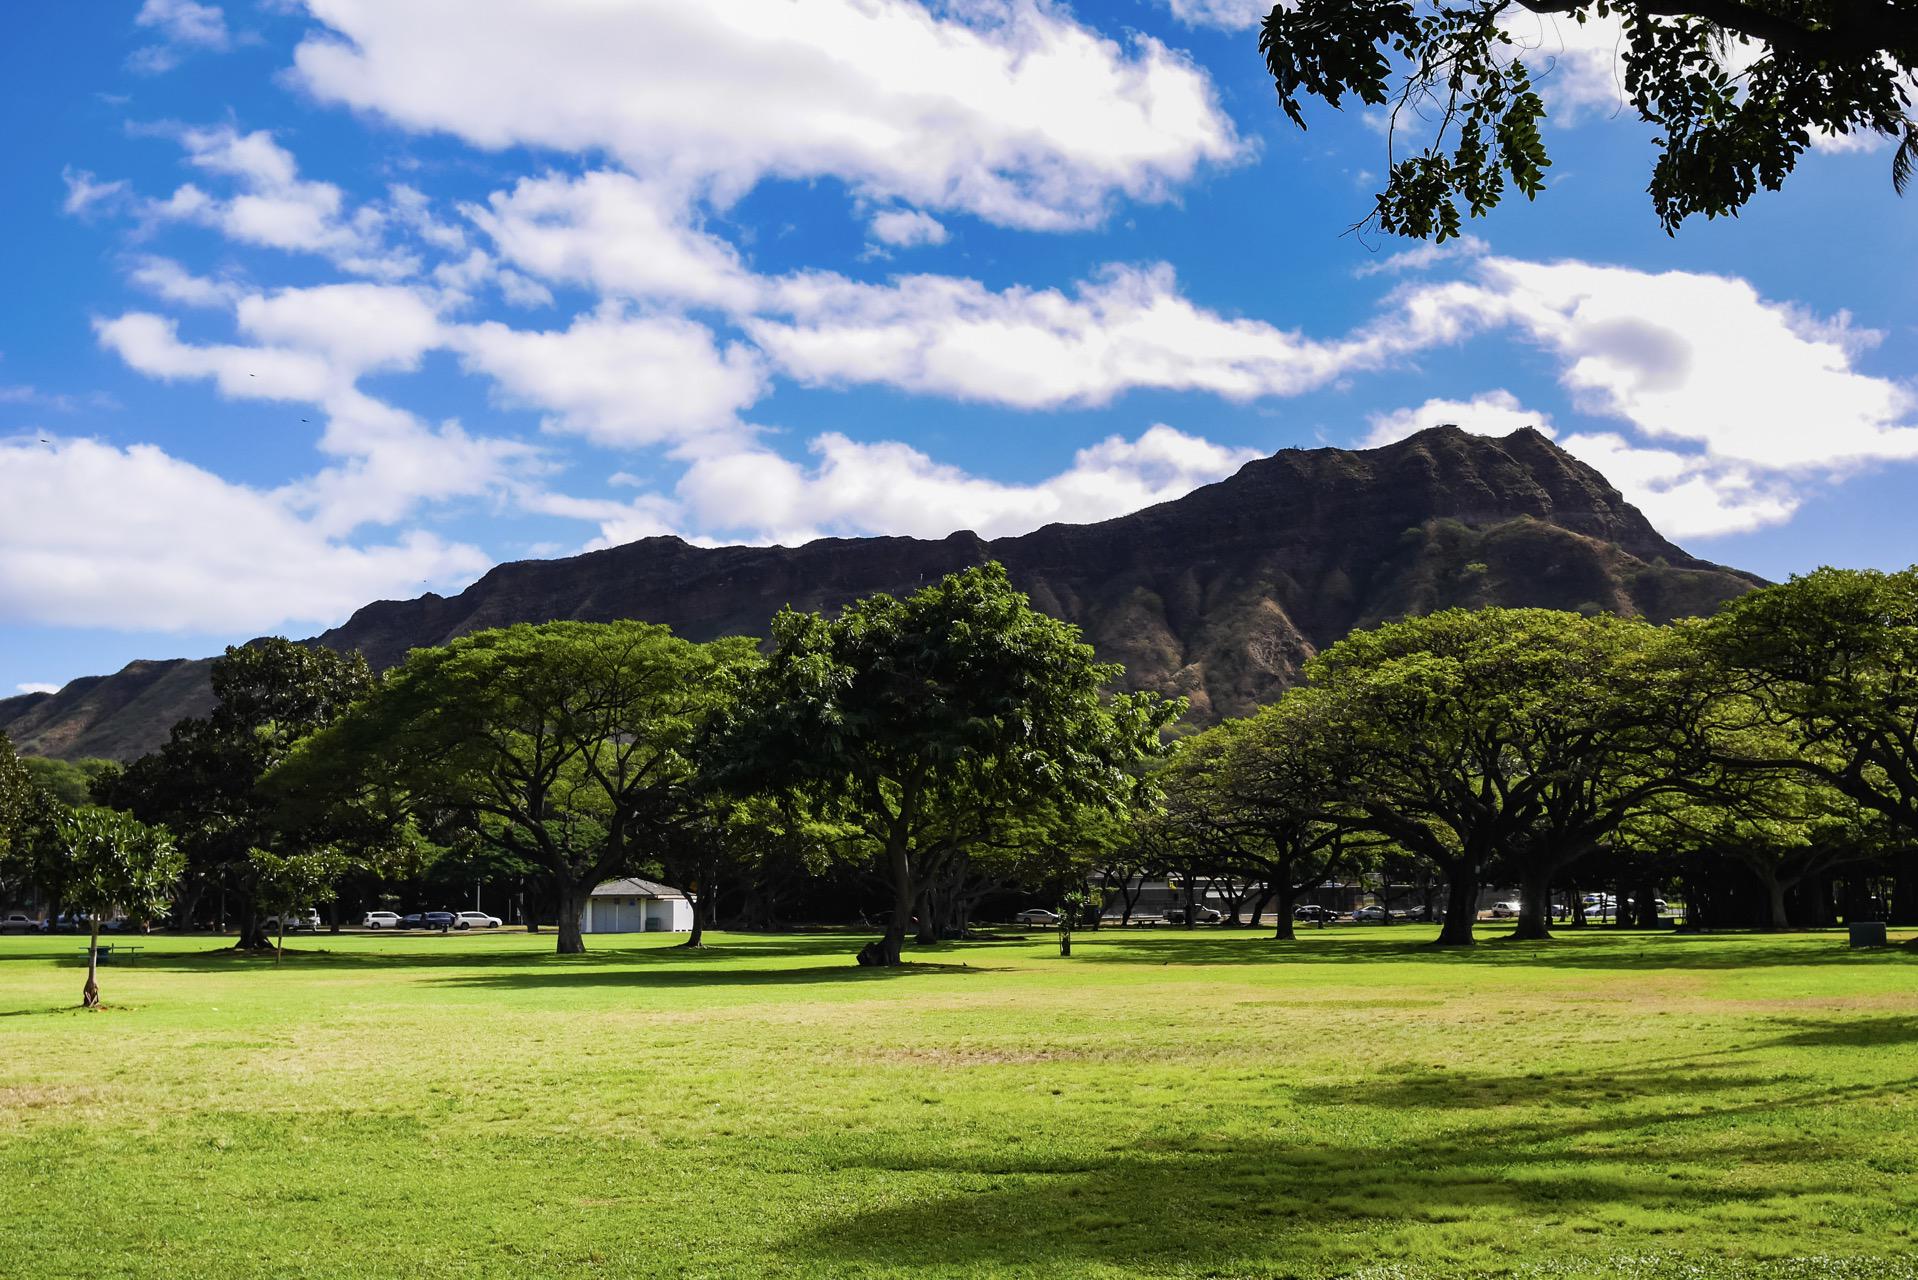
{"x":41,"y":1097}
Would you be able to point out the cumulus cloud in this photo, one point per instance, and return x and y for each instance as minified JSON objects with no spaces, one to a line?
{"x":1688,"y":495}
{"x":903,"y":228}
{"x":183,"y":26}
{"x":1127,"y":327}
{"x":1226,"y":15}
{"x":620,"y":379}
{"x":1744,"y":402}
{"x":1492,"y":413}
{"x":854,"y":488}
{"x":618,"y":235}
{"x":1687,"y":356}
{"x":93,"y":535}
{"x":313,"y":346}
{"x":275,"y":207}
{"x":167,"y":279}
{"x":1008,"y":109}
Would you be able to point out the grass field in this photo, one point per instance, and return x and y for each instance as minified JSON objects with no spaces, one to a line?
{"x":1163,"y":1103}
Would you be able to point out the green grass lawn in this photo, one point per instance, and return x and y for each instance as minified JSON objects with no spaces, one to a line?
{"x":1162,"y":1103}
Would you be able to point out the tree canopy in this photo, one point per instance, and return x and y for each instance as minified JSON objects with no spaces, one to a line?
{"x":1735,"y":89}
{"x":568,"y":743}
{"x":929,"y":722}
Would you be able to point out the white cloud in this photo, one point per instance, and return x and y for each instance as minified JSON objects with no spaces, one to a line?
{"x":92,"y":535}
{"x":167,"y":279}
{"x":1038,"y":348}
{"x":355,"y":327}
{"x":151,"y":344}
{"x":1006,"y":108}
{"x":318,"y":342}
{"x":1226,"y":15}
{"x":1423,"y":257}
{"x":182,"y":26}
{"x":1492,"y":413}
{"x":34,"y":686}
{"x":903,"y":228}
{"x":277,"y":208}
{"x":620,"y":379}
{"x":1704,"y":359}
{"x":1750,"y":401}
{"x":1687,"y":495}
{"x":887,"y":487}
{"x":616,"y":234}
{"x":85,"y":195}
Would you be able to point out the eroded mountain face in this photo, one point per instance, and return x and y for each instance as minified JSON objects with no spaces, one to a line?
{"x":1219,"y":596}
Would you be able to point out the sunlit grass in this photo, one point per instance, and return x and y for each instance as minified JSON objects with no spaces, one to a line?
{"x":1162,"y":1103}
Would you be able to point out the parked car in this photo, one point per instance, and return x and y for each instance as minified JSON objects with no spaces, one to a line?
{"x":1369,"y":915}
{"x":66,"y":922}
{"x":1313,"y":911}
{"x":1036,"y":915}
{"x":437,"y":919}
{"x":412,"y":920}
{"x":308,"y":919}
{"x":380,"y":920}
{"x":1200,"y":915}
{"x":1503,"y":910}
{"x":18,"y":920}
{"x":476,"y":920}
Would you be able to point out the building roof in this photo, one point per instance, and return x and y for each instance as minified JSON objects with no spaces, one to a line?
{"x":635,"y":888}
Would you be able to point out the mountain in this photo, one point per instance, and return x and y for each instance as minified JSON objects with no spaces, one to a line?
{"x":1220,"y":595}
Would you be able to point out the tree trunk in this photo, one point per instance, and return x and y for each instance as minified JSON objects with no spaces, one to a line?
{"x":90,"y":994}
{"x":572,"y":904}
{"x":279,"y":943}
{"x":1461,"y":909}
{"x":1534,"y":906}
{"x":697,"y":937}
{"x":1775,"y":898}
{"x":1282,"y":932}
{"x":904,"y":894}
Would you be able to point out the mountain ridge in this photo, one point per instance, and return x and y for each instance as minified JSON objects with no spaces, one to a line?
{"x":1219,"y":595}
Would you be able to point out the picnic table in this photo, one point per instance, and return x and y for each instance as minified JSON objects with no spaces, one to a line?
{"x":108,"y":948}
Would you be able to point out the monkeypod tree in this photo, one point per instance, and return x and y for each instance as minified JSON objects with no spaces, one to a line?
{"x":204,"y":784}
{"x":1524,"y":735}
{"x":113,"y":861}
{"x":569,"y":743}
{"x":1274,"y":778}
{"x":1821,"y":679}
{"x":1735,"y":89}
{"x":927,"y":722}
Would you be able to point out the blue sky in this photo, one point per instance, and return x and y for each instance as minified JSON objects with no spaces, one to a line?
{"x":316,"y":303}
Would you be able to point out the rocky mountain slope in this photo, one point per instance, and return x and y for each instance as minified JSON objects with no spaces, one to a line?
{"x":1220,"y":595}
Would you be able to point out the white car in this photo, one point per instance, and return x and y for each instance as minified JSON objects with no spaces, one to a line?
{"x":380,"y":920}
{"x":475,"y":920}
{"x":308,"y":919}
{"x":18,"y":920}
{"x":1504,"y":910}
{"x":1036,"y":915}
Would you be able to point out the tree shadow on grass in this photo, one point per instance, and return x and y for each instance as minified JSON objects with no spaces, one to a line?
{"x":573,"y":975}
{"x":1319,"y":1202}
{"x":1612,"y":950}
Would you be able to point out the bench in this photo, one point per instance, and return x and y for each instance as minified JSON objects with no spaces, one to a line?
{"x":107,"y":950}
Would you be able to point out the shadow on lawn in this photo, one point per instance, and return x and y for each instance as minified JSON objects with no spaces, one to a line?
{"x":1315,"y":1201}
{"x":1623,"y":949}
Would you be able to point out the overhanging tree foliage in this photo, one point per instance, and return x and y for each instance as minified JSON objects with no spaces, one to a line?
{"x":929,"y":721}
{"x":1736,"y":90}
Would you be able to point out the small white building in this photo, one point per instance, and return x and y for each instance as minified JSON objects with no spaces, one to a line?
{"x":636,"y":906}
